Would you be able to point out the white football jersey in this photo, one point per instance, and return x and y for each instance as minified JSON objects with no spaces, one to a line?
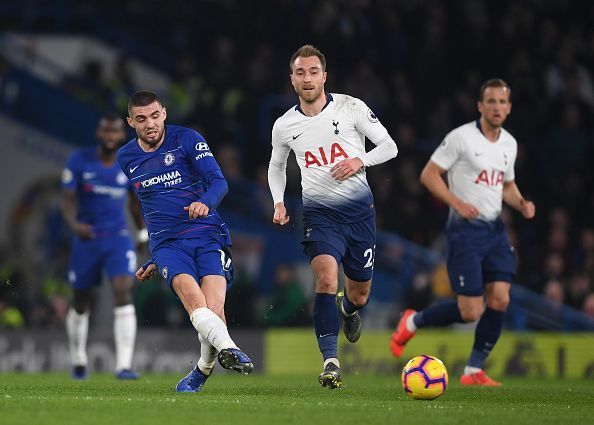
{"x":338,"y":132}
{"x":476,"y":167}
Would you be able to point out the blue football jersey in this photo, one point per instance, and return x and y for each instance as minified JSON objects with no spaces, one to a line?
{"x":171,"y":178}
{"x":101,"y":192}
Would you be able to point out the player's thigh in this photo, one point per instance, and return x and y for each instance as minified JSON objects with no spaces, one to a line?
{"x":360,"y":253}
{"x":175,"y":257}
{"x":188,"y":291}
{"x":85,"y":266}
{"x":464,"y":264}
{"x":119,"y":256}
{"x":212,"y":259}
{"x":214,"y":288}
{"x":322,"y":236}
{"x":499,"y":263}
{"x":325,"y":270}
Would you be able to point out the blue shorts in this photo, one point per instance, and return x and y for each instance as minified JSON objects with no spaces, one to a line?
{"x":196,"y":257}
{"x":478,"y":252}
{"x":352,"y":244}
{"x":115,"y":255}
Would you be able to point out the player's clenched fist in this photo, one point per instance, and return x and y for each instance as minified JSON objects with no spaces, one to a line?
{"x":527,"y":209}
{"x":147,"y":272}
{"x":197,"y":210}
{"x":280,"y":214}
{"x":346,"y":168}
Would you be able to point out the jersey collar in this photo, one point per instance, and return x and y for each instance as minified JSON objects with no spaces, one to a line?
{"x":329,"y":99}
{"x":478,"y":125}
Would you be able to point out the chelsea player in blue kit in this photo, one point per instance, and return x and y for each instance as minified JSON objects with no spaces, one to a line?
{"x":95,"y":192}
{"x":179,"y":185}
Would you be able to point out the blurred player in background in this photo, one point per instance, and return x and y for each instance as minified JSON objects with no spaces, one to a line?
{"x":327,"y":133}
{"x":95,"y":192}
{"x":479,"y":158}
{"x":179,"y":185}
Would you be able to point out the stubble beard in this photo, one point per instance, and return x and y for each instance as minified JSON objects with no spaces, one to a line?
{"x":155,"y":142}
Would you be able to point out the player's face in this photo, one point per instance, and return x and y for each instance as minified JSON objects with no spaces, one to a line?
{"x":308,"y":78}
{"x":110,"y":134}
{"x":495,"y":106}
{"x":149,"y":122}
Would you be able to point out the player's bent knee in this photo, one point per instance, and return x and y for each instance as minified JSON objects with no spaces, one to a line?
{"x":326,"y":283}
{"x":472,"y":313}
{"x":499,"y":303}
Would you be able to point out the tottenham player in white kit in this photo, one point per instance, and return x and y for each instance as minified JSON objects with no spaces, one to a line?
{"x":479,"y":159}
{"x":327,"y":133}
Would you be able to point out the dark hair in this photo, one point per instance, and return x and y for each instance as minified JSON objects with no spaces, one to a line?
{"x":493,"y":82}
{"x":142,"y":98}
{"x":307,"y":51}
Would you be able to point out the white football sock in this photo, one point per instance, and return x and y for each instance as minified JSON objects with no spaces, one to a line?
{"x":410,"y":323}
{"x":124,"y":331}
{"x":77,"y":328}
{"x":211,"y":327}
{"x":469,"y":370}
{"x":332,"y":360}
{"x":207,"y":356}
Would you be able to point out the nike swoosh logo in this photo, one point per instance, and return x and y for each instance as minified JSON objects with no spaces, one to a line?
{"x":132,"y":169}
{"x":322,"y":336}
{"x":295,"y":137}
{"x":478,"y":153}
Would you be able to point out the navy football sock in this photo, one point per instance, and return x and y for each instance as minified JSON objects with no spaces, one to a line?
{"x":438,"y":315}
{"x":348,"y":307}
{"x":486,"y":335}
{"x":326,"y":324}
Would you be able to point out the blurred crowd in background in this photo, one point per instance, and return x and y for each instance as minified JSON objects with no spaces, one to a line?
{"x":418,"y":64}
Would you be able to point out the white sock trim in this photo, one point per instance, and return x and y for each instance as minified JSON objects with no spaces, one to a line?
{"x":469,"y":370}
{"x":410,"y":323}
{"x":332,"y":360}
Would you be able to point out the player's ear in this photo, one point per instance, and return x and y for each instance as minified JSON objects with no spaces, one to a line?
{"x":130,"y":122}
{"x":164,"y":113}
{"x":325,"y":76}
{"x":479,"y":106}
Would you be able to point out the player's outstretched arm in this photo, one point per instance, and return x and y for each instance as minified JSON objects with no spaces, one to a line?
{"x":513,"y":198}
{"x":431,"y":178}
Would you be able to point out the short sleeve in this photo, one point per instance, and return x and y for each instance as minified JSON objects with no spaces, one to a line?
{"x":71,"y":172}
{"x":448,"y":152}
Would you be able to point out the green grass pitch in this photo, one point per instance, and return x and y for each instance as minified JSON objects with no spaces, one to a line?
{"x":48,"y":399}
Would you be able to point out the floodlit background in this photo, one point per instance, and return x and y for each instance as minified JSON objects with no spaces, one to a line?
{"x":222,"y":69}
